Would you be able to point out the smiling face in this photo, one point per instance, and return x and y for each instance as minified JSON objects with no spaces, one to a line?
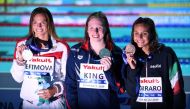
{"x":141,"y":36}
{"x":39,"y":27}
{"x":95,"y":30}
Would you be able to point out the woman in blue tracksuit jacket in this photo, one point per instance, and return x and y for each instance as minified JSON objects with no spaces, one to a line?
{"x":90,"y":80}
{"x":154,"y":71}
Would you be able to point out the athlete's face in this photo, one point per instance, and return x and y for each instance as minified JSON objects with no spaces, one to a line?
{"x":39,"y":27}
{"x":141,"y":36}
{"x":95,"y":30}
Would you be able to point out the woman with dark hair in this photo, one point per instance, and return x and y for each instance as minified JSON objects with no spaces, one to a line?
{"x":153,"y":70}
{"x":40,"y":63}
{"x":91,"y":77}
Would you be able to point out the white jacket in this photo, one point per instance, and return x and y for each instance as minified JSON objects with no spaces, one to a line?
{"x":59,"y":51}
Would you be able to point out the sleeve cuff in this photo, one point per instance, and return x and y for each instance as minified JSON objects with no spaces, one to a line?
{"x":59,"y":88}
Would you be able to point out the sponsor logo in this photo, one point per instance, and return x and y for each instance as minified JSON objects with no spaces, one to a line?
{"x":92,"y":67}
{"x":46,"y":60}
{"x":155,"y":66}
{"x":80,"y":57}
{"x":149,"y":81}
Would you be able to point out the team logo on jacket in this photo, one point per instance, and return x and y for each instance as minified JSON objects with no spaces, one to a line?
{"x":80,"y":57}
{"x":155,"y":66}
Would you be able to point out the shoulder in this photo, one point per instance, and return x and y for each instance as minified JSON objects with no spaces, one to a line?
{"x":117,"y":50}
{"x":167,"y":49}
{"x":76,"y":47}
{"x":77,"y":52}
{"x":61,"y":44}
{"x":117,"y":55}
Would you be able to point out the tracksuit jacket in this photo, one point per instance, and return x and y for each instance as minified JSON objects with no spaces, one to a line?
{"x":163,"y":63}
{"x":87,"y":98}
{"x":59,"y":52}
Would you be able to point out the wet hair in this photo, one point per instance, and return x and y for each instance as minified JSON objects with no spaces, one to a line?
{"x":107,"y":34}
{"x":49,"y":19}
{"x":153,"y":37}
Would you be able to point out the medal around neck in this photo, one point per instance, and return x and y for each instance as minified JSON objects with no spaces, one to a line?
{"x":27,"y":54}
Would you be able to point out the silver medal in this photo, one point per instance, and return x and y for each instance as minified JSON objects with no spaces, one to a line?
{"x":27,"y":54}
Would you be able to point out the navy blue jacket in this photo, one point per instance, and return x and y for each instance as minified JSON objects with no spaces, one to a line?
{"x":86,"y":98}
{"x":162,"y":63}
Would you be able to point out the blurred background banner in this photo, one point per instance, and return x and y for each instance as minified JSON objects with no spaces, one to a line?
{"x":172,"y":19}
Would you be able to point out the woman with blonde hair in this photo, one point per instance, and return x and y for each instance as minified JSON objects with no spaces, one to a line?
{"x":40,"y":63}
